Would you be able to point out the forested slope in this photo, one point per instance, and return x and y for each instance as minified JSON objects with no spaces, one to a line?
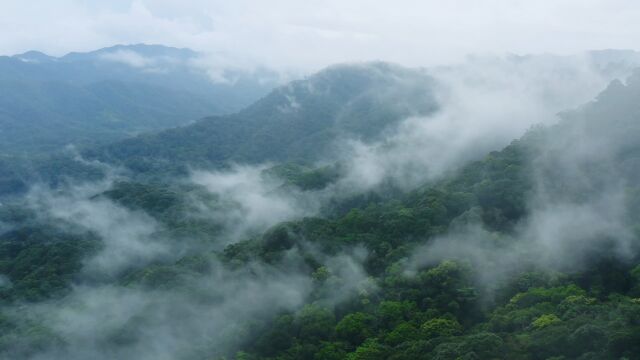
{"x":304,"y":121}
{"x":420,"y":293}
{"x":530,"y":252}
{"x":297,"y":122}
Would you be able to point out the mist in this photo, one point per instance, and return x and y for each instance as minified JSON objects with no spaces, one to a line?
{"x":484,"y":103}
{"x":579,"y":211}
{"x":251,"y":201}
{"x":207,"y":308}
{"x":274,"y":34}
{"x":355,"y":149}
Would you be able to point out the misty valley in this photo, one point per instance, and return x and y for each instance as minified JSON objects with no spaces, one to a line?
{"x":153,"y":209}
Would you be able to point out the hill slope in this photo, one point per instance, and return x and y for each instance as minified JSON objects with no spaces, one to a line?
{"x":524,"y":254}
{"x":110,"y":94}
{"x":297,"y":122}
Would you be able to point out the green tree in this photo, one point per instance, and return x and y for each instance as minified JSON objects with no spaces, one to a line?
{"x":355,"y":327}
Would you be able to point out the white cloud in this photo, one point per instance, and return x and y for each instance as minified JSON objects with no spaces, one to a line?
{"x":128,"y":237}
{"x":250,"y":202}
{"x":313,"y":34}
{"x":485,"y":104}
{"x":129,"y":57}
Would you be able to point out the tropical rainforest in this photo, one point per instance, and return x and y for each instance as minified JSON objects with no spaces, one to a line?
{"x":369,"y":211}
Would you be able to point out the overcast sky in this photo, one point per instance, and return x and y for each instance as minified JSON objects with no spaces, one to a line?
{"x":313,"y":33}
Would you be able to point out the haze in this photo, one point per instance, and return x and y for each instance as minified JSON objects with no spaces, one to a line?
{"x":319,"y":180}
{"x":312,"y":34}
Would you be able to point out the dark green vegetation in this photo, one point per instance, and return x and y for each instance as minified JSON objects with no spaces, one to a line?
{"x":110,"y":94}
{"x":513,"y":304}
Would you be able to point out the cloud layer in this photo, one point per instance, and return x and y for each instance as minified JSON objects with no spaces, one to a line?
{"x":286,"y":33}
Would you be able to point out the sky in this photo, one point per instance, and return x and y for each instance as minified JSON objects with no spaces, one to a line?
{"x":314,"y":33}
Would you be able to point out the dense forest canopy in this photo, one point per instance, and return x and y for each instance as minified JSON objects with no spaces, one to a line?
{"x":319,"y":180}
{"x":365,"y":212}
{"x":483,"y":210}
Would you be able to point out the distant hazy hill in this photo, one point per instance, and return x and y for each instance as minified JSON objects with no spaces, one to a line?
{"x":299,"y":121}
{"x":109,"y":94}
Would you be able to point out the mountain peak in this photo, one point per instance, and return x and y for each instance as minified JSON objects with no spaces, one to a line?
{"x":34,"y":56}
{"x":145,"y":50}
{"x":370,"y":68}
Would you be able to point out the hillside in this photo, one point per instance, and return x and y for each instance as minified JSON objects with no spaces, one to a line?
{"x":529,"y":253}
{"x":297,"y":122}
{"x":319,"y":118}
{"x":86,"y":99}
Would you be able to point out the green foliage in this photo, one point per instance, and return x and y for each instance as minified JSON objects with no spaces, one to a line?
{"x":440,"y":327}
{"x":40,"y":262}
{"x":356,"y":327}
{"x":545,"y":320}
{"x":331,"y":351}
{"x":314,"y":322}
{"x":392,"y":313}
{"x":369,"y":350}
{"x":437,"y":310}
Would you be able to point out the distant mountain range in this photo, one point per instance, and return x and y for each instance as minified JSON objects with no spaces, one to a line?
{"x":101,"y":96}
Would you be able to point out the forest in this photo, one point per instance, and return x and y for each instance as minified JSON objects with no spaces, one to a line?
{"x":530,"y":252}
{"x":319,"y":180}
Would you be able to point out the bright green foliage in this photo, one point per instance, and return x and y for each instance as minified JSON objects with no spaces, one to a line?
{"x":369,"y":350}
{"x":331,"y":351}
{"x":545,"y":320}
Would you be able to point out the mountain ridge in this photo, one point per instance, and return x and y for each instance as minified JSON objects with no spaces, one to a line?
{"x":295,"y":122}
{"x":34,"y":85}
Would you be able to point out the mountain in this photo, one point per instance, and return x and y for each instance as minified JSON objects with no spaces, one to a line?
{"x":301,"y":121}
{"x":531,"y":252}
{"x":305,"y":119}
{"x":113,"y":93}
{"x":614,"y":60}
{"x":312,"y":119}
